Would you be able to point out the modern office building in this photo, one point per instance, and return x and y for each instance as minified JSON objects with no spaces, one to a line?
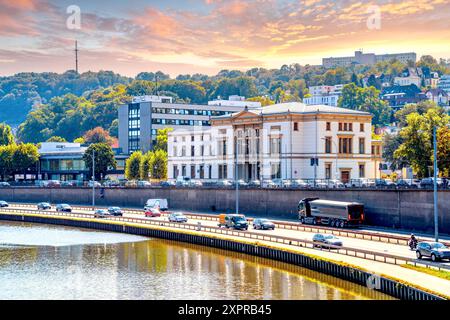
{"x":367,"y":59}
{"x":63,"y":161}
{"x":286,"y":141}
{"x":140,"y":120}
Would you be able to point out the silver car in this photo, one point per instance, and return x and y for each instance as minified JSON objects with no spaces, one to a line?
{"x":177,"y":217}
{"x":326,"y":241}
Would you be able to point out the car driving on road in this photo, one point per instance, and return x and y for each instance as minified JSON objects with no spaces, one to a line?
{"x":101,"y":213}
{"x":3,"y":204}
{"x":434,"y":250}
{"x":263,"y":224}
{"x":44,"y":206}
{"x":152,"y":212}
{"x":115,"y":211}
{"x":326,"y":240}
{"x":63,"y":207}
{"x":177,"y":217}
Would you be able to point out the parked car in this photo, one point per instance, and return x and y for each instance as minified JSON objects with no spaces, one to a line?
{"x":360,"y":183}
{"x":406,"y":184}
{"x":111,"y":183}
{"x":152,"y":212}
{"x":254,"y":183}
{"x":241,"y":183}
{"x":44,"y":206}
{"x":287,"y":184}
{"x":321,"y":184}
{"x":4,"y":185}
{"x":263,"y":224}
{"x":434,"y":250}
{"x":224,"y":183}
{"x":326,"y":240}
{"x":144,"y":184}
{"x":300,"y":184}
{"x":4,"y":204}
{"x":63,"y":207}
{"x":177,"y":217}
{"x":168,"y":183}
{"x":53,"y":184}
{"x":269,"y":184}
{"x":335,"y":184}
{"x":94,"y":183}
{"x":428,"y":183}
{"x":278,"y":183}
{"x":115,"y":211}
{"x":101,"y":213}
{"x":195,"y":183}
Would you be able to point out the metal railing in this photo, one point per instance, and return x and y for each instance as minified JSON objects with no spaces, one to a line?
{"x":348,"y":251}
{"x":295,"y":226}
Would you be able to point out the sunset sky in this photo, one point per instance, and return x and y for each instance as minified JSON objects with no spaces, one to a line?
{"x":206,"y":36}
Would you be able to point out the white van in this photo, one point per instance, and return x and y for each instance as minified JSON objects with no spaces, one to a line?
{"x":162,"y":204}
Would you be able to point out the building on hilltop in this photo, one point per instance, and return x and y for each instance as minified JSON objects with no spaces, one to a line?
{"x":367,"y":59}
{"x":324,"y":95}
{"x":282,"y":141}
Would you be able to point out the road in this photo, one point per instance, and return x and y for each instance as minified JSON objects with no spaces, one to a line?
{"x":362,"y":244}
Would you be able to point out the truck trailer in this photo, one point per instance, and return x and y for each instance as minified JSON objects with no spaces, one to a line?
{"x":337,"y":214}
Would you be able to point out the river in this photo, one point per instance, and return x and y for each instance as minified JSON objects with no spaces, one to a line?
{"x":53,"y":262}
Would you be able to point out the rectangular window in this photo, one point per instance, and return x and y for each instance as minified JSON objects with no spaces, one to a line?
{"x":340,"y":126}
{"x":192,"y":172}
{"x":361,"y":127}
{"x":192,"y":151}
{"x":192,"y":138}
{"x":327,"y":144}
{"x":183,"y":170}
{"x":328,"y":126}
{"x":276,"y":171}
{"x":345,"y":145}
{"x":175,"y":154}
{"x":362,"y":145}
{"x":275,"y":145}
{"x":183,"y":152}
{"x":295,"y":126}
{"x":345,"y":126}
{"x":202,"y":150}
{"x":350,"y":127}
{"x":362,"y":171}
{"x":327,"y":170}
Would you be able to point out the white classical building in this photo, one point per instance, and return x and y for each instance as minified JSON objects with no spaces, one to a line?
{"x":278,"y":141}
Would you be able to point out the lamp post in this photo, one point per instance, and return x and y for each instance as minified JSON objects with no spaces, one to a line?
{"x":93,"y":179}
{"x":236,"y":169}
{"x":337,"y":153}
{"x":435,"y":194}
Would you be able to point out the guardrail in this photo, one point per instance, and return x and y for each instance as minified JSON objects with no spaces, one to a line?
{"x":354,"y":252}
{"x":362,"y":235}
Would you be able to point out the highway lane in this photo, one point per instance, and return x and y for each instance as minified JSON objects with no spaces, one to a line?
{"x":373,"y":246}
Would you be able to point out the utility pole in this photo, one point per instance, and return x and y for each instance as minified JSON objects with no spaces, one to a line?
{"x":76,"y":56}
{"x":435,"y":193}
{"x":93,"y":179}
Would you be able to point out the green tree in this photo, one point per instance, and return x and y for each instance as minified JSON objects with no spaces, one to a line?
{"x":56,"y":139}
{"x":25,"y":156}
{"x":159,"y":165}
{"x":104,"y":159}
{"x":421,"y":108}
{"x":443,"y":150}
{"x":146,"y":164}
{"x":391,"y":142}
{"x":162,"y":139}
{"x":133,"y":166}
{"x":6,"y":160}
{"x":265,"y":101}
{"x":6,"y":136}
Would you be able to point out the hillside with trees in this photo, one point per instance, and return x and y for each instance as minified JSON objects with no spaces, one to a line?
{"x":46,"y":105}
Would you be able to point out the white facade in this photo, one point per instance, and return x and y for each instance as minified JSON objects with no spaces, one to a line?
{"x":444,"y":83}
{"x":406,"y":81}
{"x":235,"y":101}
{"x":324,"y":95}
{"x":278,"y":141}
{"x":367,"y":59}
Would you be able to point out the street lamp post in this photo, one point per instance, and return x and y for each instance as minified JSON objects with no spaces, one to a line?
{"x":93,"y":179}
{"x":337,"y":153}
{"x":435,"y":193}
{"x":236,"y":175}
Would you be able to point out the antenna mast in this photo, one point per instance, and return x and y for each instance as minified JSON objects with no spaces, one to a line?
{"x":76,"y":56}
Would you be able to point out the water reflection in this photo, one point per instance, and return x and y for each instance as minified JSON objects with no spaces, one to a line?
{"x":156,"y":269}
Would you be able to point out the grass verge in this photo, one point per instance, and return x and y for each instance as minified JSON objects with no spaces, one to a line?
{"x":434,"y":272}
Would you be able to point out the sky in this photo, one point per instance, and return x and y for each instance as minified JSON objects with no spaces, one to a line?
{"x":206,"y":36}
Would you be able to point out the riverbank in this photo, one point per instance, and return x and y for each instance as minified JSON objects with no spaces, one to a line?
{"x":390,"y":279}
